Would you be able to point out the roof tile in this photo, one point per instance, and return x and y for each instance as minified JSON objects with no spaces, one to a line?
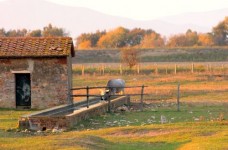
{"x":36,"y":47}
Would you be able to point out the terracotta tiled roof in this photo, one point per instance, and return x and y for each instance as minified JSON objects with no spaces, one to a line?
{"x":36,"y":47}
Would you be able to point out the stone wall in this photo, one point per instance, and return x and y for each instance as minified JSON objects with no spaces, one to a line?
{"x":39,"y":121}
{"x":49,"y":81}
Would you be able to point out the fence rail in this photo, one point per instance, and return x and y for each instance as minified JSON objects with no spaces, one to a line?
{"x":98,"y":87}
{"x":177,"y":94}
{"x":87,"y":95}
{"x":143,"y":68}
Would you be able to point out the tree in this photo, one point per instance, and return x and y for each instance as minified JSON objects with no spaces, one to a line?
{"x":47,"y":31}
{"x":94,"y":38}
{"x":50,"y":31}
{"x":35,"y":33}
{"x":191,"y":38}
{"x":152,"y":40}
{"x":130,"y":57}
{"x":85,"y":45}
{"x":91,"y":37}
{"x":205,"y":39}
{"x":177,"y":40}
{"x":220,"y":32}
{"x":16,"y":33}
{"x":135,"y":36}
{"x":2,"y":32}
{"x":116,"y":38}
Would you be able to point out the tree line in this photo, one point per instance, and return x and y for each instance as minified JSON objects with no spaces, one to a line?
{"x":121,"y":37}
{"x":47,"y":31}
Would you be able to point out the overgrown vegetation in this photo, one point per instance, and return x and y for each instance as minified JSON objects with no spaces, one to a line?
{"x":130,"y":57}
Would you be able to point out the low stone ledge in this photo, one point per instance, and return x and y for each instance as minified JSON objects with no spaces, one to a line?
{"x":43,"y":121}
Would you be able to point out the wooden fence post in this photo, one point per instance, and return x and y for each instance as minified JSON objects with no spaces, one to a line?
{"x":138,"y":69}
{"x":142,"y":92}
{"x":83,"y":70}
{"x":192,"y":70}
{"x":109,"y":104}
{"x":99,"y":70}
{"x":222,"y":70}
{"x":87,"y":96}
{"x":103,"y":69}
{"x":175,"y":69}
{"x":210,"y":69}
{"x":121,"y":71}
{"x":156,"y":69}
{"x":178,"y":96}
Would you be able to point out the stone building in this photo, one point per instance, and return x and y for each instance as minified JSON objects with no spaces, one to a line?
{"x":35,"y":72}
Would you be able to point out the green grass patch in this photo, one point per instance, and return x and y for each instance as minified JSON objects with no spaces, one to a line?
{"x":96,"y":142}
{"x":188,"y":113}
{"x":131,"y":130}
{"x":9,"y":117}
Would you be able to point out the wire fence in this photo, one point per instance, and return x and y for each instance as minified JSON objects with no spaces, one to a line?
{"x":151,"y":68}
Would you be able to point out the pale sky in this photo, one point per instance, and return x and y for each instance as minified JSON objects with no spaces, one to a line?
{"x":146,"y":9}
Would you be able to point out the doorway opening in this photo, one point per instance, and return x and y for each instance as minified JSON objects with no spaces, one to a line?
{"x":23,"y":90}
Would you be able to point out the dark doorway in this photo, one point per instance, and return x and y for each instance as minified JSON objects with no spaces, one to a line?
{"x":23,"y":91}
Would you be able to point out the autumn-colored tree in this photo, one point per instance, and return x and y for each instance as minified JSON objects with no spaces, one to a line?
{"x":94,"y":38}
{"x":152,"y":40}
{"x":205,"y":39}
{"x":50,"y":31}
{"x":135,"y":36}
{"x":85,"y":45}
{"x":116,"y":38}
{"x":177,"y":40}
{"x":220,"y":32}
{"x":130,"y":57}
{"x":190,"y":38}
{"x":82,"y":40}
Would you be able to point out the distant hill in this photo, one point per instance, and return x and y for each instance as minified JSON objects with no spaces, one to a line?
{"x":31,"y":14}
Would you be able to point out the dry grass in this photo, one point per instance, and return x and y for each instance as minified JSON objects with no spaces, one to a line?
{"x":193,"y":87}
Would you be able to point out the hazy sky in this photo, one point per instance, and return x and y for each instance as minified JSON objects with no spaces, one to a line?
{"x":146,"y":9}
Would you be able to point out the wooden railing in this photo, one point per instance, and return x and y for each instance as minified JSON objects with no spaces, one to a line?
{"x":87,"y":95}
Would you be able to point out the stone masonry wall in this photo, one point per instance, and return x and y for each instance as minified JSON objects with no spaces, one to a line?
{"x":39,"y":121}
{"x":48,"y":81}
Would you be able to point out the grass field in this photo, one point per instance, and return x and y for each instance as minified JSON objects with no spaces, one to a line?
{"x":162,"y":68}
{"x":202,"y":122}
{"x":201,"y":127}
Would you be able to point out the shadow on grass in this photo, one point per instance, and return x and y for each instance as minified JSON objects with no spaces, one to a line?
{"x":94,"y":142}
